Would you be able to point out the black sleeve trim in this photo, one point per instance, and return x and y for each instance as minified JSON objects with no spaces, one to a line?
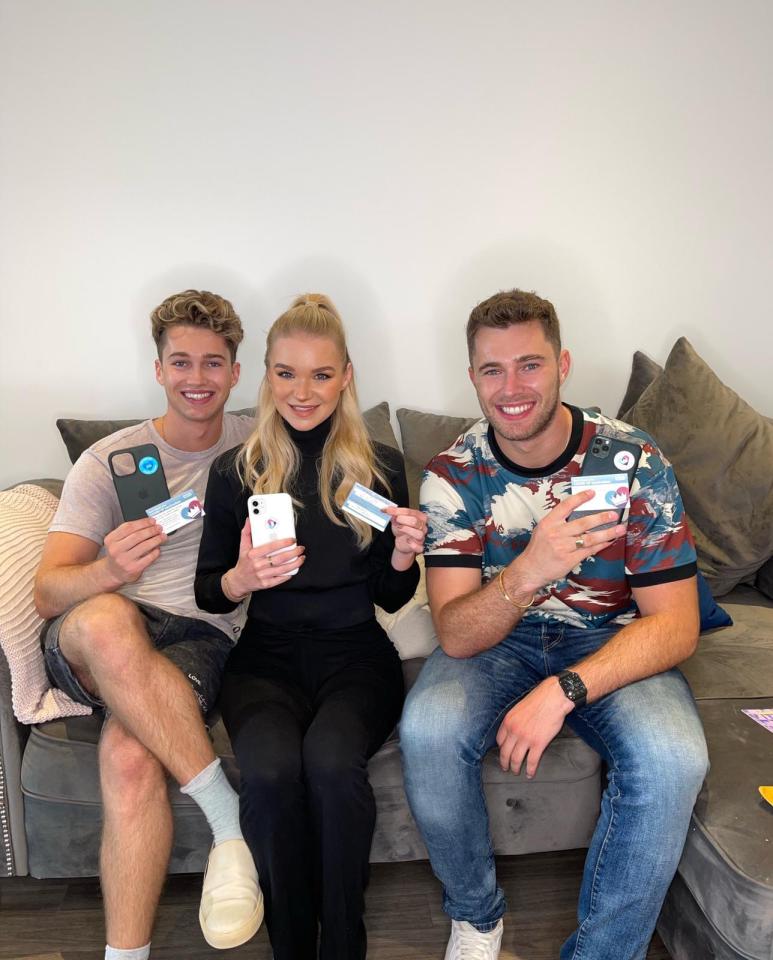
{"x":452,"y":560}
{"x":663,"y":576}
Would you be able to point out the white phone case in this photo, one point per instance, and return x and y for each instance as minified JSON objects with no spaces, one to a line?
{"x":271,"y":518}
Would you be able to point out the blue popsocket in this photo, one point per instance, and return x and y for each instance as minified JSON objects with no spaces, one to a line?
{"x":148,"y":465}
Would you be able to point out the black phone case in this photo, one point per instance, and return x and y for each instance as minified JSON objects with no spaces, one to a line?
{"x":145,"y":487}
{"x":599,"y":459}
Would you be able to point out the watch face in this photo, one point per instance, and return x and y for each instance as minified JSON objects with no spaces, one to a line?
{"x":572,"y":686}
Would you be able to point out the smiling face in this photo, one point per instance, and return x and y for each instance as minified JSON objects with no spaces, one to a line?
{"x":306,"y":375}
{"x":517,"y":377}
{"x":196,"y":373}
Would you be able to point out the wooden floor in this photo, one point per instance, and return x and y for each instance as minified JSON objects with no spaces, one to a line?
{"x":62,"y":919}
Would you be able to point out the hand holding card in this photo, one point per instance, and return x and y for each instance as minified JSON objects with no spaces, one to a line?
{"x":608,"y":469}
{"x":177,"y":511}
{"x":367,"y":505}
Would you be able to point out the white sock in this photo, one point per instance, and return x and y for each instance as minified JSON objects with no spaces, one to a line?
{"x":218,"y":801}
{"x":136,"y":953}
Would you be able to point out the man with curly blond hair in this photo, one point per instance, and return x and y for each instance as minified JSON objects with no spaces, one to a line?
{"x":124,"y":635}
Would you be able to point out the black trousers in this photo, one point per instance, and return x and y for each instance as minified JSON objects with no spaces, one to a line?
{"x":305,"y":714}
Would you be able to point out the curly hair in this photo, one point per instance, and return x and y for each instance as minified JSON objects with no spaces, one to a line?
{"x":197,"y":308}
{"x":507,"y":307}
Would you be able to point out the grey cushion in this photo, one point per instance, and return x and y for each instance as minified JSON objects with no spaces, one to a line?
{"x":727,"y":865}
{"x":379,"y":425}
{"x":61,"y":788}
{"x":78,"y":435}
{"x":764,"y":581}
{"x":722,"y":451}
{"x":736,"y":661}
{"x":423,"y":435}
{"x":643,"y":372}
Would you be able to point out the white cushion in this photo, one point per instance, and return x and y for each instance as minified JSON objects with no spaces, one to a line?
{"x":25,"y":515}
{"x":411,"y":629}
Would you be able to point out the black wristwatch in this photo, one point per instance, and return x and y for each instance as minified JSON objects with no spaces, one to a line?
{"x":573,"y":687}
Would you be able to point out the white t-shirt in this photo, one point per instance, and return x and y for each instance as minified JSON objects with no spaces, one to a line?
{"x":89,"y":508}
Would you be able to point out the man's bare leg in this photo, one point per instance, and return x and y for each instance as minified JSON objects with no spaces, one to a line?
{"x":136,"y":836}
{"x":105,"y":642}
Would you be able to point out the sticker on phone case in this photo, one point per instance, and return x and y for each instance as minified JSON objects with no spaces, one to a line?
{"x":624,"y":459}
{"x":148,"y":465}
{"x":367,"y":505}
{"x":610,"y":491}
{"x":177,"y":511}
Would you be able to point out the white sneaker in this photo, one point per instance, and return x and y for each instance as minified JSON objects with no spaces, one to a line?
{"x":467,"y":943}
{"x":231,"y":902}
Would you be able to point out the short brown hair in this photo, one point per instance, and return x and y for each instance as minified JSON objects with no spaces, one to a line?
{"x":198,"y":308}
{"x":514,"y":306}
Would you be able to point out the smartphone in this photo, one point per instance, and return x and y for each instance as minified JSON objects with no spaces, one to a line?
{"x":271,"y":518}
{"x":144,"y":486}
{"x":606,"y":456}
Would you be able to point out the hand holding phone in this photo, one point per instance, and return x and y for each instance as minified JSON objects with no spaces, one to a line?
{"x":144,"y":486}
{"x":608,"y":469}
{"x":268,"y":553}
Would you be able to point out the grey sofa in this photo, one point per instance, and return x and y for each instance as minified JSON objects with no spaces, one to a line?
{"x":50,"y":805}
{"x":721,"y":903}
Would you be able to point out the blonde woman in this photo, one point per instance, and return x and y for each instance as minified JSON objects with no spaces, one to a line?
{"x":314,"y":686}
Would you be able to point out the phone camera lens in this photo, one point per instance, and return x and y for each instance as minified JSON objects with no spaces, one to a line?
{"x":255,"y":510}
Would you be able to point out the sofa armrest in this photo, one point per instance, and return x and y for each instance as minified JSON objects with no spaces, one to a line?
{"x":13,"y":736}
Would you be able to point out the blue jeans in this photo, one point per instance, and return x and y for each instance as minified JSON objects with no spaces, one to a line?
{"x":650,"y":736}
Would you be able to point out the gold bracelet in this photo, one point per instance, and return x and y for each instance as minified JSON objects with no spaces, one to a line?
{"x":506,"y":595}
{"x":226,"y":587}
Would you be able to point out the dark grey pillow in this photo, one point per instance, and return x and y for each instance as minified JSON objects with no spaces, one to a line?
{"x":79,"y":435}
{"x":643,"y":372}
{"x":423,"y":435}
{"x":379,"y":425}
{"x":722,"y":451}
{"x":764,"y":581}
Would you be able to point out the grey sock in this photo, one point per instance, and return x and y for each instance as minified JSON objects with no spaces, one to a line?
{"x":136,"y":953}
{"x":217,"y":800}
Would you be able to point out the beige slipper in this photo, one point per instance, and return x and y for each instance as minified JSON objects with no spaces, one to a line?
{"x":231,"y":902}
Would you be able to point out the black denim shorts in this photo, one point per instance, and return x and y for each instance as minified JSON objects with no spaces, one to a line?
{"x":196,"y":647}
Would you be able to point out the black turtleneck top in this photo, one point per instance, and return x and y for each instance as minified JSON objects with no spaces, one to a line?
{"x":337,"y":585}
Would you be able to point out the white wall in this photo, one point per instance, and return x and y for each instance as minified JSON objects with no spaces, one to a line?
{"x":408,"y":158}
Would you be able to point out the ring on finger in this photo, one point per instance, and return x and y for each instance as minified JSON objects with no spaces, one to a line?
{"x":579,"y":543}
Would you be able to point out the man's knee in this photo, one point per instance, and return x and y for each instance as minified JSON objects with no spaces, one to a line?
{"x":432,"y":726}
{"x":129,"y":774}
{"x":689,"y":765}
{"x":668,"y":770}
{"x":101,"y":628}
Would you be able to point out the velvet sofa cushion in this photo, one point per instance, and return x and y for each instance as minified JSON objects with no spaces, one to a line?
{"x":26,"y":512}
{"x":722,"y":451}
{"x":423,"y":435}
{"x":727,"y":863}
{"x":79,"y":435}
{"x":736,"y":661}
{"x":764,"y":581}
{"x":643,"y":371}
